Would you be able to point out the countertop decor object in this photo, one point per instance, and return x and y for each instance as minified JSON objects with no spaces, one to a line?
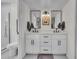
{"x":32,"y":26}
{"x":28,"y":26}
{"x":61,"y":25}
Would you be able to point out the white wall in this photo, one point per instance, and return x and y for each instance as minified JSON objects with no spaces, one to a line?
{"x":45,"y":4}
{"x":23,"y":18}
{"x":14,"y":17}
{"x":5,"y":9}
{"x":69,"y":16}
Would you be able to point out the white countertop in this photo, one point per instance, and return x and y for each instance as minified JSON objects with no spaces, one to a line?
{"x":46,"y":32}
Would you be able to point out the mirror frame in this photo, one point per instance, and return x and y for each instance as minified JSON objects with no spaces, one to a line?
{"x":31,"y":14}
{"x":57,"y":11}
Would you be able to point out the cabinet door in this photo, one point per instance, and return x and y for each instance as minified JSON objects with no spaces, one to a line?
{"x":59,"y":46}
{"x":32,"y":44}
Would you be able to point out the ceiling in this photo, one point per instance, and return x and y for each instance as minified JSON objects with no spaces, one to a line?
{"x":46,"y":4}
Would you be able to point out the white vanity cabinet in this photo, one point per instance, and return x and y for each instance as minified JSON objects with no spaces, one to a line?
{"x":32,"y":44}
{"x":59,"y":44}
{"x":46,"y":43}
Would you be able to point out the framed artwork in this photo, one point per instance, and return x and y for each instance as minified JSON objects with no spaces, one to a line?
{"x":45,"y":20}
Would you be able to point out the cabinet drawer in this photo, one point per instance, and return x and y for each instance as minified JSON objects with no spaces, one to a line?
{"x":45,"y":42}
{"x":45,"y":36}
{"x":59,"y":37}
{"x":45,"y":50}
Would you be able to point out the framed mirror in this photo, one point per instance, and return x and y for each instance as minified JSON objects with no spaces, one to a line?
{"x":56,"y":18}
{"x":35,"y":18}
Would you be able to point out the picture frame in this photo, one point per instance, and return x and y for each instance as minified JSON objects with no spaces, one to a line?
{"x":45,"y":20}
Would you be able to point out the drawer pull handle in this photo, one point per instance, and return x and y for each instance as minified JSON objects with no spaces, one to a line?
{"x":59,"y":43}
{"x":45,"y":36}
{"x":32,"y":42}
{"x":45,"y":42}
{"x":45,"y":49}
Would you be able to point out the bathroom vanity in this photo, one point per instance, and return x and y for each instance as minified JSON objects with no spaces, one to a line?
{"x":46,"y":43}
